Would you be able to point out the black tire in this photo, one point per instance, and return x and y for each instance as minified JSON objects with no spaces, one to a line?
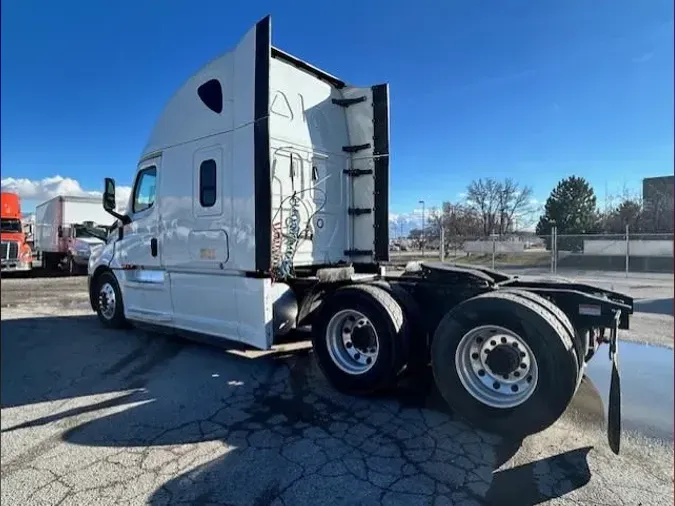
{"x":415,"y":354}
{"x":117,"y":320}
{"x":387,"y":319}
{"x":51,"y":261}
{"x":544,"y":334}
{"x":560,"y":315}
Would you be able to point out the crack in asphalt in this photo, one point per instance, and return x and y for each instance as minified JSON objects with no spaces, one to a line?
{"x":206,"y":427}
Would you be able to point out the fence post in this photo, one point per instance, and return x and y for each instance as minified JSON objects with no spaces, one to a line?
{"x":494,"y":247}
{"x":554,"y":249}
{"x":627,"y":250}
{"x":441,"y":247}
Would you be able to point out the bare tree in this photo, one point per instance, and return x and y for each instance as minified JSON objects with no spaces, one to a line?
{"x":434,"y":223}
{"x":461,"y":220}
{"x":483,"y":196}
{"x":652,"y":213}
{"x":622,"y":209}
{"x":513,"y":203}
{"x":659,"y":207}
{"x":500,"y":204}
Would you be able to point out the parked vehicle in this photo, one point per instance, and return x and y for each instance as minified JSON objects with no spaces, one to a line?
{"x":28,"y":225}
{"x":15,"y":252}
{"x":67,"y":229}
{"x":260,"y":204}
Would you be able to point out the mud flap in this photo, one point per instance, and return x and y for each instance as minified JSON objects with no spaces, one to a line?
{"x":614,"y":404}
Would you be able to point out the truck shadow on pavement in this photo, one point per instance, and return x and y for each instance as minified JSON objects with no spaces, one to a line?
{"x":655,"y":306}
{"x":216,"y":427}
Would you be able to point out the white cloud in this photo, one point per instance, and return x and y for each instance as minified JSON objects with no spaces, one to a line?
{"x":50,"y":187}
{"x":402,"y":224}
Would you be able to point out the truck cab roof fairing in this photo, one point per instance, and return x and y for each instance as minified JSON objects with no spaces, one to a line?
{"x":205,"y":105}
{"x":189,"y":114}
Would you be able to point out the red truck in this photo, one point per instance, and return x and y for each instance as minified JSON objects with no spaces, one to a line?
{"x":15,"y":253}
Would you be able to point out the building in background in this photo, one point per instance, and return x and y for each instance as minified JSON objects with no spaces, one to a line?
{"x":658,"y":194}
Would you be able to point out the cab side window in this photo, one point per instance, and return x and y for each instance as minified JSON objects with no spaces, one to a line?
{"x":207,"y":183}
{"x":144,"y":189}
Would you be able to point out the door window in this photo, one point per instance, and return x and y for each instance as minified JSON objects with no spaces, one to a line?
{"x":144,"y":190}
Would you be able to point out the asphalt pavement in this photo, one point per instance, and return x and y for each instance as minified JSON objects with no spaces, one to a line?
{"x":94,"y":416}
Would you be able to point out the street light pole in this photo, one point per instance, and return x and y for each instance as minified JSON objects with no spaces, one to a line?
{"x":422,"y":236}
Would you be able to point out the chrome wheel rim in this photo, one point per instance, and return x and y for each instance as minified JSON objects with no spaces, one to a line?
{"x":504,"y":380}
{"x":107,"y":301}
{"x":352,"y":342}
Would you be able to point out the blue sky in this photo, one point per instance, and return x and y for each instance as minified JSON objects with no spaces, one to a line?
{"x":532,"y":90}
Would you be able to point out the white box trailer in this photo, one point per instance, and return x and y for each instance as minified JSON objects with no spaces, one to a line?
{"x":62,"y":230}
{"x":260,"y":204}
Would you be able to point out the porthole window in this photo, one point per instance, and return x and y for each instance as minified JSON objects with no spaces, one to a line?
{"x":211,"y":94}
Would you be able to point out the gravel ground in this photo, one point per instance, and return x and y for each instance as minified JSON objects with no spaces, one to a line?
{"x":93,"y":416}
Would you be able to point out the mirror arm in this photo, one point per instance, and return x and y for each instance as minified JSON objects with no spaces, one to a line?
{"x":124,"y":218}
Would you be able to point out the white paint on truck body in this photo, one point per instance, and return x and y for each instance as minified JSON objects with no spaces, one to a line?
{"x":61,"y":214}
{"x":214,"y":190}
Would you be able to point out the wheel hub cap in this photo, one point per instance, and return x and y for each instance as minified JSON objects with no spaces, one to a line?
{"x":496,"y":366}
{"x":362,"y":336}
{"x":106,"y":301}
{"x":503,"y":360}
{"x":352,"y":341}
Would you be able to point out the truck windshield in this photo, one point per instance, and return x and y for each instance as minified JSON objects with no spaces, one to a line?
{"x":11,"y":225}
{"x":95,"y":232}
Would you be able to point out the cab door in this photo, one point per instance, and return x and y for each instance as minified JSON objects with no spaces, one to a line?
{"x":145,"y":285}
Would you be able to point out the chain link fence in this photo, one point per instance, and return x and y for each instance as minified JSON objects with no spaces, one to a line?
{"x":627,"y":252}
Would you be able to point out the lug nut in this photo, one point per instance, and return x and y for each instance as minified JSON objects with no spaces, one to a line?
{"x":481,"y":372}
{"x":496,"y":385}
{"x":348,"y":344}
{"x":523,"y":366}
{"x":514,"y":388}
{"x":503,"y":340}
{"x":474,"y":356}
{"x":357,"y":356}
{"x":493,"y":343}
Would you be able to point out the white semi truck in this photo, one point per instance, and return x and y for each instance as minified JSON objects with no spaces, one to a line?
{"x":66,"y":229}
{"x":260,"y":204}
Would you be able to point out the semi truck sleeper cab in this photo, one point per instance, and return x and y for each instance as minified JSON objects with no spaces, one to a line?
{"x":260,"y":204}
